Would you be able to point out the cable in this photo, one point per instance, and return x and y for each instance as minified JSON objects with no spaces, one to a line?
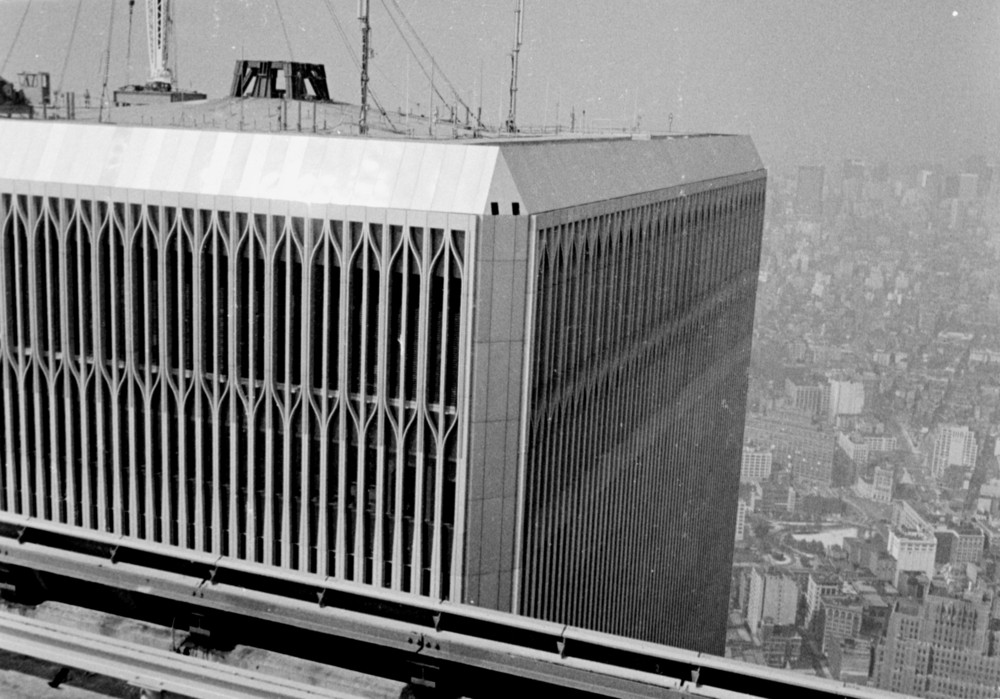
{"x":17,"y":34}
{"x":356,"y":61}
{"x":69,"y":47}
{"x":406,"y":41}
{"x":284,"y":30}
{"x":107,"y":65}
{"x":343,"y":34}
{"x":128,"y":51}
{"x":434,"y":63}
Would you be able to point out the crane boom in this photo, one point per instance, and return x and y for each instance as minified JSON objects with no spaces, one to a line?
{"x":157,"y":31}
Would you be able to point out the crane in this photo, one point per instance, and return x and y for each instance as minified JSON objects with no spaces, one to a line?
{"x":157,"y":33}
{"x":160,"y":86}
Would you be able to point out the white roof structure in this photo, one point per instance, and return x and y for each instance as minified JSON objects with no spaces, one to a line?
{"x":461,"y":177}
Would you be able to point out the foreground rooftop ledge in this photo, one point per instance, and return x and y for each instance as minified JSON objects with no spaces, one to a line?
{"x":550,"y":653}
{"x":461,"y":177}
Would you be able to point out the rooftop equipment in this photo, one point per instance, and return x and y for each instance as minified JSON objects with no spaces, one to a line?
{"x":161,"y":86}
{"x":280,"y":79}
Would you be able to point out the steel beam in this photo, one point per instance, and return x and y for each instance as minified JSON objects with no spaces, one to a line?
{"x":438,"y":633}
{"x":152,"y":669}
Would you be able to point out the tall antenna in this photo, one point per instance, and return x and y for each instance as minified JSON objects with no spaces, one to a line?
{"x":511,"y":126}
{"x":366,"y":30}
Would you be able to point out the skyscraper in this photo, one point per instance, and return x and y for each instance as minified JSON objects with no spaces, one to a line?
{"x":510,"y":373}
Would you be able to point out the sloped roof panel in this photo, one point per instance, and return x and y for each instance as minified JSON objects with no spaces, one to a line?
{"x":430,"y":176}
{"x":375,"y":175}
{"x":407,"y":176}
{"x":446,"y":186}
{"x":426,"y":182}
{"x":478,"y":171}
{"x":215,"y":173}
{"x":561,"y":173}
{"x":51,"y":152}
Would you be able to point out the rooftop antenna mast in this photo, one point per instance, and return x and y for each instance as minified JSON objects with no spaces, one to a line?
{"x":158,"y":28}
{"x":366,"y":30}
{"x":511,"y":125}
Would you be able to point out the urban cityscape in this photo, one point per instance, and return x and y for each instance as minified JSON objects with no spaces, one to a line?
{"x":868,"y":538}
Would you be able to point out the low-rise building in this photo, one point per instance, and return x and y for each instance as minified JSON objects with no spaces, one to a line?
{"x":755,"y":465}
{"x":876,"y":485}
{"x":809,"y":393}
{"x":820,"y":585}
{"x":954,"y":445}
{"x":782,"y":645}
{"x":966,"y":545}
{"x":910,"y":540}
{"x":777,"y":496}
{"x":855,"y":447}
{"x":840,"y":618}
{"x":803,"y":445}
{"x":741,"y":519}
{"x":914,"y":550}
{"x":880,"y":443}
{"x":884,"y":566}
{"x":883,"y":482}
{"x":959,"y":545}
{"x":850,"y":660}
{"x":846,"y":398}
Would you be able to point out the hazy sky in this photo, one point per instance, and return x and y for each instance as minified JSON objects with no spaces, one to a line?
{"x":810,"y":80}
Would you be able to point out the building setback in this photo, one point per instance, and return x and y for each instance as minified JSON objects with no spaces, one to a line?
{"x":507,"y":373}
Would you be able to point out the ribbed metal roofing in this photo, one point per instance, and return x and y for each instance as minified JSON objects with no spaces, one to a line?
{"x":442,"y":176}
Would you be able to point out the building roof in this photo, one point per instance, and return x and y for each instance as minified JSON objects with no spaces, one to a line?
{"x":459,"y":176}
{"x":555,"y":174}
{"x":873,"y":600}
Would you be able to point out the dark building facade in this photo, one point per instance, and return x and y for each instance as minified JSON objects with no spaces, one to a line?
{"x":510,"y":374}
{"x":642,"y":327}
